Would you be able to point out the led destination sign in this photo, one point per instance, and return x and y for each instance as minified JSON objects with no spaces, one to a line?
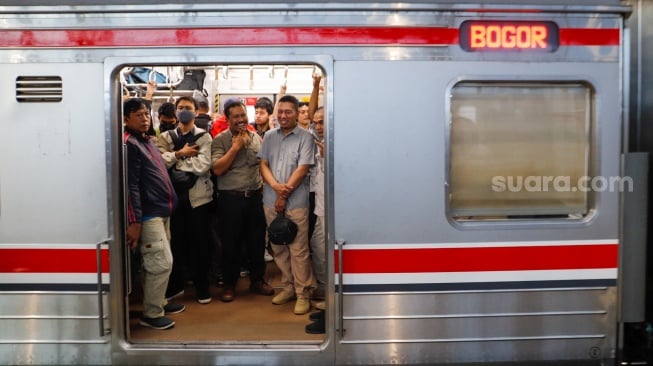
{"x":477,"y":35}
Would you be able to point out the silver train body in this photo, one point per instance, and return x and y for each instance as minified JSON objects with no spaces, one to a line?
{"x":431,"y":113}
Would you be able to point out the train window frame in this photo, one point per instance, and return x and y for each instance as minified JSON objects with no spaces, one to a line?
{"x":550,"y":182}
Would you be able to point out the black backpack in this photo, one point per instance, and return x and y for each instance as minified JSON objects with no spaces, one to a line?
{"x":181,"y":180}
{"x":193,"y":80}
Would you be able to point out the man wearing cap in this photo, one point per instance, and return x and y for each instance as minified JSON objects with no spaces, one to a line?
{"x":240,"y":205}
{"x":287,"y":154}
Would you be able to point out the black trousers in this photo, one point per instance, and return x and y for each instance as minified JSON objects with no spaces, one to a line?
{"x":242,"y":223}
{"x":312,"y":217}
{"x":190,"y":245}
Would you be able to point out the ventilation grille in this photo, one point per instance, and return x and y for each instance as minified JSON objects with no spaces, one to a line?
{"x":39,"y":89}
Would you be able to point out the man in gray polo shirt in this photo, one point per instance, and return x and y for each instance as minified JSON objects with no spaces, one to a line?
{"x":287,"y":154}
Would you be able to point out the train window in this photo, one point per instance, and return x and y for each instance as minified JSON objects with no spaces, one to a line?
{"x":519,"y":150}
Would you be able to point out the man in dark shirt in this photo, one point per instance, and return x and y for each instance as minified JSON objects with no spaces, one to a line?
{"x":150,"y":203}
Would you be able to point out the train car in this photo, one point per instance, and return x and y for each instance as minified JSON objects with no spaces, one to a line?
{"x":486,"y":177}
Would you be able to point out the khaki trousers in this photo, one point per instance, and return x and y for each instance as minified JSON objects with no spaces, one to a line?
{"x":157,"y":264}
{"x":293,"y":260}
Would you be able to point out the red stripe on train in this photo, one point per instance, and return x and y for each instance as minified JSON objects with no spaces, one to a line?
{"x":426,"y":36}
{"x":529,"y":258}
{"x":589,"y":37}
{"x":52,"y":261}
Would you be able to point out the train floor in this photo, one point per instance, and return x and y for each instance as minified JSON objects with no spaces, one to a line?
{"x":249,"y":319}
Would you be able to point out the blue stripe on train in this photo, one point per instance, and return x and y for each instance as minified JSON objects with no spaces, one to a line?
{"x":469,"y":286}
{"x":84,"y":287}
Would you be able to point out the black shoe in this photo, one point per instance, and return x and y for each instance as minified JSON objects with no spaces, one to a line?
{"x":173,"y":308}
{"x":318,"y":315}
{"x":228,"y":293}
{"x":157,"y":323}
{"x":316,"y":327}
{"x":203,"y":296}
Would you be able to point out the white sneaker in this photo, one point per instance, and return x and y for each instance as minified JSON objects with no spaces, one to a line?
{"x":268,"y":257}
{"x":283,"y":297}
{"x":302,"y":306}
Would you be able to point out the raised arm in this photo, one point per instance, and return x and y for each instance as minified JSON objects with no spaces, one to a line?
{"x":315,"y":95}
{"x":273,"y":119}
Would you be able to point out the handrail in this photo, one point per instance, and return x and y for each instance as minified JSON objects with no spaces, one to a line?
{"x":341,"y":323}
{"x":100,"y":291}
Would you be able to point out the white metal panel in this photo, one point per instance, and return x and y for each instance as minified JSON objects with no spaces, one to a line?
{"x":391,"y":145}
{"x":52,"y":159}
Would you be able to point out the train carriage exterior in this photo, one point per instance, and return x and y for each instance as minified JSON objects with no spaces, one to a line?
{"x":435,"y":111}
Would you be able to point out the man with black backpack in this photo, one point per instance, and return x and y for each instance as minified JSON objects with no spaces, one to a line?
{"x":186,"y":152}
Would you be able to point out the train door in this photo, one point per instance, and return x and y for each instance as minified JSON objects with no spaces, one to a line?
{"x":249,"y":329}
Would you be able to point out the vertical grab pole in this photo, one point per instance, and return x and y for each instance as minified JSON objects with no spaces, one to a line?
{"x":341,"y":331}
{"x":633,"y":236}
{"x":100,"y":291}
{"x":125,"y":203}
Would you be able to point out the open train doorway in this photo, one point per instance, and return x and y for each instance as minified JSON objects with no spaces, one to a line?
{"x":249,"y":318}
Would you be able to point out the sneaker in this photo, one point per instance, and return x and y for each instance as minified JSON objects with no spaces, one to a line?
{"x":244,"y":272}
{"x":203,"y":296}
{"x":268,"y":257}
{"x":316,"y":327}
{"x":283,"y":297}
{"x":173,"y":308}
{"x":261,"y":288}
{"x":157,"y":323}
{"x":302,"y":306}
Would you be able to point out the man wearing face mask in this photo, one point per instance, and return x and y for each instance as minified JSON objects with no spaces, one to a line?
{"x":167,"y":117}
{"x":190,"y":152}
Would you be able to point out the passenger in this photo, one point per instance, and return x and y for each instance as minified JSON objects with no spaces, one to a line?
{"x":151,"y":201}
{"x":221,"y":124}
{"x":203,"y":119}
{"x":240,"y":205}
{"x":167,"y":118}
{"x":190,"y":224}
{"x":303,"y":118}
{"x":262,"y":111}
{"x":312,"y":107}
{"x":287,"y":154}
{"x":318,"y":239}
{"x":262,"y":122}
